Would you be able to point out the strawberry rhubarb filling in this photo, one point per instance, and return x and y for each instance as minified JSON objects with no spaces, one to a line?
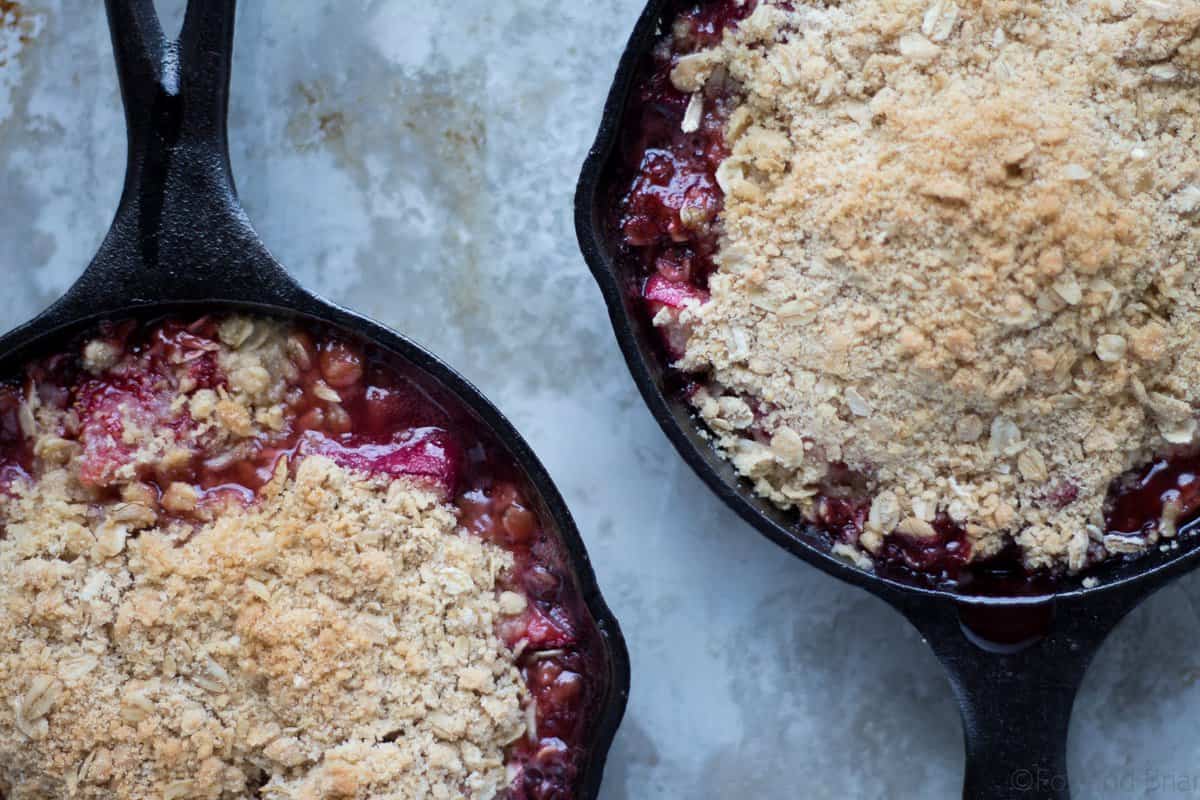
{"x":926,"y":269}
{"x":242,"y":557}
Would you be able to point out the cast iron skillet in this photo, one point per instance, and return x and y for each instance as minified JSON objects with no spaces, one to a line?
{"x":181,"y":241}
{"x":1015,"y":663}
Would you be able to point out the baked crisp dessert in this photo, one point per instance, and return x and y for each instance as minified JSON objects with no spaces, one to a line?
{"x":929,"y":266}
{"x":240,"y":558}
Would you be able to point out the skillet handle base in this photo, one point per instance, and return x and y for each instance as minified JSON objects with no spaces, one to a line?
{"x":1015,"y":670}
{"x":180,"y":234}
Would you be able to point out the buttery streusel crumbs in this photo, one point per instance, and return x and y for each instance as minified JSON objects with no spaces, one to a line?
{"x":336,"y":641}
{"x":955,"y":257}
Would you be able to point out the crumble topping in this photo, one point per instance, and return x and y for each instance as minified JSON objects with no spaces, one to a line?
{"x":240,"y":557}
{"x":954,"y":260}
{"x":335,"y":641}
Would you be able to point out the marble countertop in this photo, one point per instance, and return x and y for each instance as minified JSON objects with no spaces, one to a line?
{"x":416,"y":161}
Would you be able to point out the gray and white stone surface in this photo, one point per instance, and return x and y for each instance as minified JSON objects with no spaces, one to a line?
{"x":416,"y":160}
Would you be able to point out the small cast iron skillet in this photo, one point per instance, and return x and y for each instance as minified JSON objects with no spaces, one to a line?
{"x":182,"y":242}
{"x":1015,"y":662}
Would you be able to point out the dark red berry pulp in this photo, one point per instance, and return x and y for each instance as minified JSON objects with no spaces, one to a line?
{"x":1141,"y":500}
{"x":366,"y":412}
{"x":668,"y":212}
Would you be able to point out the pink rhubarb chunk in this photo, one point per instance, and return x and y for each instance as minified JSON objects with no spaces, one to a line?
{"x":422,"y":452}
{"x":675,"y":294}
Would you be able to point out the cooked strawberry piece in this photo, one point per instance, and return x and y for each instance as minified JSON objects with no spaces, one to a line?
{"x":183,"y":346}
{"x":203,"y":371}
{"x":341,"y":365}
{"x":655,"y":205}
{"x":386,"y":409}
{"x":115,"y":415}
{"x":538,"y":629}
{"x":475,"y":510}
{"x":174,"y":345}
{"x":557,"y":690}
{"x":843,"y":516}
{"x":675,"y":264}
{"x":545,"y":633}
{"x":1063,"y":495}
{"x":671,"y":296}
{"x":519,"y":524}
{"x":549,"y":773}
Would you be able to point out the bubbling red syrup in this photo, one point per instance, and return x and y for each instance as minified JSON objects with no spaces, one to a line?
{"x":1141,"y":500}
{"x":386,"y":423}
{"x":669,"y":220}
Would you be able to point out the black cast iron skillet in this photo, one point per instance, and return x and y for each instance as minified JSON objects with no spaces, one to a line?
{"x":1015,"y":662}
{"x":181,"y":241}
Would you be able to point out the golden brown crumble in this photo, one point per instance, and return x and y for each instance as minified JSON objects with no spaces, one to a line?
{"x":335,"y":641}
{"x":955,"y":257}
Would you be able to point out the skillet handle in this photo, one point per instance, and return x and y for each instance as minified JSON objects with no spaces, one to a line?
{"x":1015,"y":669}
{"x":176,"y":93}
{"x":180,"y":234}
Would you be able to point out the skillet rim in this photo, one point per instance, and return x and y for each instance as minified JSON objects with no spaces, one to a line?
{"x":57,"y":323}
{"x":1118,"y":578}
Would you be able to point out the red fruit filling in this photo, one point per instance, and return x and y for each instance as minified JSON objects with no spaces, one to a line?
{"x":1168,"y":489}
{"x":421,"y":452}
{"x":132,"y":385}
{"x":668,"y":215}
